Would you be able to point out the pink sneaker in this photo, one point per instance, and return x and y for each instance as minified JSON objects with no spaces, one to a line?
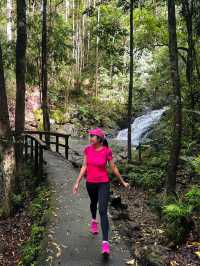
{"x":105,"y":247}
{"x":94,"y":227}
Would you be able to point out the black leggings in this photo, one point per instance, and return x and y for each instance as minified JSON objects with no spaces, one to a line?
{"x":99,"y":192}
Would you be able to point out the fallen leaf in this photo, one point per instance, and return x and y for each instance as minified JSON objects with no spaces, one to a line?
{"x":130,"y":262}
{"x":58,"y":249}
{"x":197,"y":253}
{"x":193,"y":244}
{"x":173,"y":263}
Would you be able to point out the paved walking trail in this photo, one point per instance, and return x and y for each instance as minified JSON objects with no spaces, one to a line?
{"x":68,"y":241}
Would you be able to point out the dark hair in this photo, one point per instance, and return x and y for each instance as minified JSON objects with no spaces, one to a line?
{"x":103,"y":141}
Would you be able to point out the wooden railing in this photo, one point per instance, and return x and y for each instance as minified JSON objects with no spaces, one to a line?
{"x":34,"y":149}
{"x":45,"y":136}
{"x":35,"y":142}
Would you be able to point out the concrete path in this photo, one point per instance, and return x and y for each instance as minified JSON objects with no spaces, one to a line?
{"x":68,"y":241}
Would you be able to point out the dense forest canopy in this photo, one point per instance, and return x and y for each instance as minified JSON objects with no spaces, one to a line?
{"x":79,"y":30}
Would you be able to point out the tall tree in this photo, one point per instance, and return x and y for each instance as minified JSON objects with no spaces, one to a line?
{"x":188,"y":14}
{"x":46,"y":122}
{"x":7,"y":155}
{"x":97,"y":53}
{"x":20,"y":77}
{"x":9,"y":18}
{"x":176,"y":103}
{"x":130,"y":93}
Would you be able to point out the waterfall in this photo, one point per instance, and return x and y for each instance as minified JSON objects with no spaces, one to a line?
{"x":141,"y":126}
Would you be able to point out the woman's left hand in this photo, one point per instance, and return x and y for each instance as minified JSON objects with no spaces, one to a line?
{"x":126,"y":184}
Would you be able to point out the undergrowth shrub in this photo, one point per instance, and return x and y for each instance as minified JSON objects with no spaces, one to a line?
{"x":183,"y":216}
{"x":196,"y":164}
{"x":39,"y":211}
{"x":177,"y":217}
{"x":147,"y":178}
{"x":193,"y":197}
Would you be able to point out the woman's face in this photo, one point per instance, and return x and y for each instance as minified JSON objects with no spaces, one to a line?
{"x":93,"y":139}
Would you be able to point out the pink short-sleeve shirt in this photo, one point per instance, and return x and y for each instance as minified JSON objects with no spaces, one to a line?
{"x":96,"y":163}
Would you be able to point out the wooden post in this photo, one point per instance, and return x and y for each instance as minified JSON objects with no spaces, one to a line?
{"x":26,"y":146}
{"x":40,"y":134}
{"x":66,"y":147}
{"x":36,"y":158}
{"x":31,"y":148}
{"x":41,"y":161}
{"x":139,"y":153}
{"x":48,"y":139}
{"x":57,"y":143}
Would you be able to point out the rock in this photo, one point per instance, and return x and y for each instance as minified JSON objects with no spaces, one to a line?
{"x":125,"y":214}
{"x":134,"y":227}
{"x":117,"y":204}
{"x":124,"y":231}
{"x":115,"y":201}
{"x":120,"y":214}
{"x":153,"y":256}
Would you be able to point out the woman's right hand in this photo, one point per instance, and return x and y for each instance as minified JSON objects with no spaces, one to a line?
{"x":75,"y":188}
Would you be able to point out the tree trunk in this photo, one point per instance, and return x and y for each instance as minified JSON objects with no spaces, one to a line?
{"x":7,"y":155}
{"x":45,"y":109}
{"x":97,"y":56}
{"x":130,"y":93}
{"x":188,"y":15}
{"x":9,"y":18}
{"x":73,"y":42}
{"x":176,"y":104}
{"x":20,"y":78}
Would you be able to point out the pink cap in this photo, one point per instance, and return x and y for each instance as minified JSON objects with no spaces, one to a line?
{"x":98,"y":132}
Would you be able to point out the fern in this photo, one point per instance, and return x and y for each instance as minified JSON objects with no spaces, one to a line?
{"x":193,"y":196}
{"x":177,"y":211}
{"x":196,"y":164}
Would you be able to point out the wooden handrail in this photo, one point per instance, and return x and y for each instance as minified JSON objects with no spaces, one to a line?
{"x":46,"y":142}
{"x":52,"y":133}
{"x":37,"y":147}
{"x":49,"y":142}
{"x":34,"y":147}
{"x":40,"y":142}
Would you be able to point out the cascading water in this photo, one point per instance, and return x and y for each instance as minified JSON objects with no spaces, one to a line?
{"x":141,"y":126}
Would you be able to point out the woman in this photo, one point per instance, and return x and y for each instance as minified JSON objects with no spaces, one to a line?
{"x":96,"y":156}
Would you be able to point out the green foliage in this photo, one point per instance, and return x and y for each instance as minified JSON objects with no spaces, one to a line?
{"x":39,"y":118}
{"x":147,"y":178}
{"x":18,"y":200}
{"x":39,"y":210}
{"x":39,"y":204}
{"x":100,"y":113}
{"x":155,"y":203}
{"x":36,"y":233}
{"x":179,"y":215}
{"x":176,"y":211}
{"x":29,"y":254}
{"x":58,"y":116}
{"x":190,"y":164}
{"x":178,"y":221}
{"x":150,"y":29}
{"x":196,"y":164}
{"x":150,"y":172}
{"x":193,"y":197}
